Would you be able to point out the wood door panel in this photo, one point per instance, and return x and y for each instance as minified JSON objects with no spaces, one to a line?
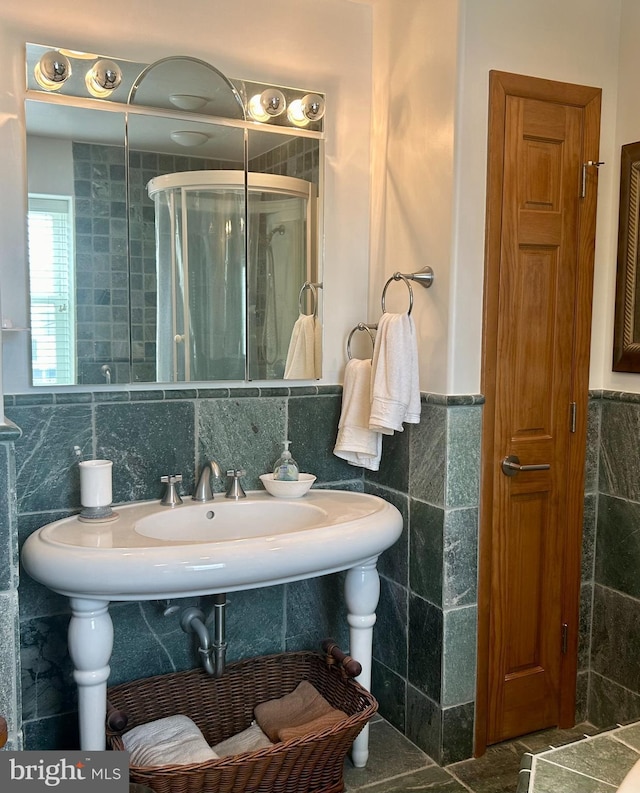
{"x":525,"y":556}
{"x":534,"y":249}
{"x":542,"y":188}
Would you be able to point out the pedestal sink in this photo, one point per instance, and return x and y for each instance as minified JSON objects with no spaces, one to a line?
{"x":151,"y":552}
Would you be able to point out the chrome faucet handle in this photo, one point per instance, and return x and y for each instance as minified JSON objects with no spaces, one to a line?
{"x":235,"y":488}
{"x":171,"y":497}
{"x":204,"y":490}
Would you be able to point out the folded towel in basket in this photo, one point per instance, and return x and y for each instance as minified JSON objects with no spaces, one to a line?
{"x":302,"y":706}
{"x":246,"y":741}
{"x":174,"y":740}
{"x":325,"y":722}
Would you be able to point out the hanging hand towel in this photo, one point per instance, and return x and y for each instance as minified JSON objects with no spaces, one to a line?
{"x":301,"y":357}
{"x":356,"y":443}
{"x":395,"y":384}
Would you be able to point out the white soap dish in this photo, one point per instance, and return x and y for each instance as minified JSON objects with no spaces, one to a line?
{"x":280,"y":488}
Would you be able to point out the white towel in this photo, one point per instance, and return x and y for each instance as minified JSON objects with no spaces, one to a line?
{"x":174,"y":740}
{"x":395,"y":384}
{"x":304,"y":357}
{"x":246,"y":741}
{"x":356,"y":443}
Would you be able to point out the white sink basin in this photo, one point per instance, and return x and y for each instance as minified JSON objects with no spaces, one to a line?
{"x":221,"y":521}
{"x":157,"y":551}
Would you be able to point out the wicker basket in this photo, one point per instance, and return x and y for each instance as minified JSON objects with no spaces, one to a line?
{"x":222,"y":707}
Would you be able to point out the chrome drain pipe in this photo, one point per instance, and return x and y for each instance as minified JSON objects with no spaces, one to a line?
{"x":219,"y":634}
{"x":192,"y":621}
{"x":212,"y":654}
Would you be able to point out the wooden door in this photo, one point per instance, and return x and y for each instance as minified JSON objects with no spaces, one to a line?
{"x":538,"y":282}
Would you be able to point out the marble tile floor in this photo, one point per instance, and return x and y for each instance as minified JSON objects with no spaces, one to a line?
{"x":596,"y":764}
{"x":398,"y":766}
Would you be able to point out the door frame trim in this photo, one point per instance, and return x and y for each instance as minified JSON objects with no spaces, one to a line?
{"x":501,"y":85}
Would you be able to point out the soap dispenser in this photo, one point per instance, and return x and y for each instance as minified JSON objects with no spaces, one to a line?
{"x":286,"y":468}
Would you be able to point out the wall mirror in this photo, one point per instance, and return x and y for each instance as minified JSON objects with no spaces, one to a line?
{"x":174,"y":222}
{"x":626,"y":344}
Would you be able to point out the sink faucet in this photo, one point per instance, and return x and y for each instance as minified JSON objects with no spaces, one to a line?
{"x":171,"y":497}
{"x":235,"y":490}
{"x":204,"y":490}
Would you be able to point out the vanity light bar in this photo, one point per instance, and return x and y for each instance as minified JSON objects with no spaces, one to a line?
{"x":86,"y":75}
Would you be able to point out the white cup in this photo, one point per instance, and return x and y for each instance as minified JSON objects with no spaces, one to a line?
{"x":95,"y":483}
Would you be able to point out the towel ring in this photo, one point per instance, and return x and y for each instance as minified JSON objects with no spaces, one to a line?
{"x":314,"y":292}
{"x":397,"y":277}
{"x":360,"y":326}
{"x":424,"y":277}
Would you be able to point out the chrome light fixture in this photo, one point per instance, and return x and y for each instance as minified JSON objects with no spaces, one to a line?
{"x":103,"y":77}
{"x":52,"y":70}
{"x":310,"y":108}
{"x":269,"y":104}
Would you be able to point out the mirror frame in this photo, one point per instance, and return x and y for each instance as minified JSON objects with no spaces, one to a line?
{"x":626,"y":340}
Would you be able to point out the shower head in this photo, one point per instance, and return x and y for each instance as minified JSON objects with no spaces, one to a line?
{"x":275,"y":230}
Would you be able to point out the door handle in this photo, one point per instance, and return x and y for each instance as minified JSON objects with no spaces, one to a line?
{"x":511,"y":466}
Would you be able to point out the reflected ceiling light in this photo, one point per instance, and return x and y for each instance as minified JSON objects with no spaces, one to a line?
{"x":189,"y":137}
{"x":103,"y":77}
{"x":269,"y":104}
{"x":188,"y":101}
{"x":52,"y":70}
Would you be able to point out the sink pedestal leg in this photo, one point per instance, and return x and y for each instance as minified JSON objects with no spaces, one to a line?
{"x":362,"y":591}
{"x":90,"y":645}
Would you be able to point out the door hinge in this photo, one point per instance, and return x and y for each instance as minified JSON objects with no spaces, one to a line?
{"x":565,"y":637}
{"x":585,"y":165}
{"x":574,"y":410}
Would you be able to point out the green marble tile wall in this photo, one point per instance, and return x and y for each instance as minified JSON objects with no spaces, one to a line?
{"x":10,"y":699}
{"x":148,"y":434}
{"x":614,"y":676}
{"x":425,"y":647}
{"x":424,"y":643}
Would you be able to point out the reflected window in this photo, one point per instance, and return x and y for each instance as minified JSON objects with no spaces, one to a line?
{"x":51,"y":261}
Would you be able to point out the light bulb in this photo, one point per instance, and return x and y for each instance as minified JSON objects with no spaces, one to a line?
{"x":52,"y":70}
{"x":256,"y":111}
{"x":313,"y":106}
{"x":103,"y":77}
{"x":273,"y":102}
{"x":295,"y":113}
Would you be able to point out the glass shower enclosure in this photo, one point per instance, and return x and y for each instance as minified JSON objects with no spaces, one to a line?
{"x":225,"y":311}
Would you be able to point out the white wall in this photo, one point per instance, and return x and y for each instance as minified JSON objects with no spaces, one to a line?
{"x":318,"y":44}
{"x":428,"y":162}
{"x":627,"y":131}
{"x":574,"y":41}
{"x":414,"y":95}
